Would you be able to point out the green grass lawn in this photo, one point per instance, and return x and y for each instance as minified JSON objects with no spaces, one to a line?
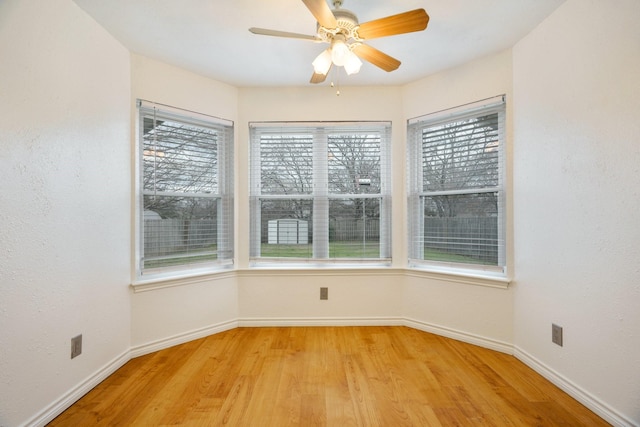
{"x":181,"y":259}
{"x":351,"y":249}
{"x":441,"y":256}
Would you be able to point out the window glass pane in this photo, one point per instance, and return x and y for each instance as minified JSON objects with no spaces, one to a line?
{"x":286,"y":228}
{"x":287,"y":164}
{"x":461,"y":228}
{"x":456,"y":193}
{"x":354,"y":161}
{"x":178,"y":157}
{"x":180,"y":230}
{"x":354,"y":228}
{"x":461,"y":154}
{"x":185,"y":188}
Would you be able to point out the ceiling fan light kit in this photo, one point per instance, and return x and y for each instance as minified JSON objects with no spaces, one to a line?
{"x":322,"y":63}
{"x":340,"y":28}
{"x":353,"y":64}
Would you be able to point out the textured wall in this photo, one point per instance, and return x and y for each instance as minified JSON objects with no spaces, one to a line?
{"x":577,"y":197}
{"x":475,"y":310}
{"x":64,"y":202}
{"x":177,"y":313}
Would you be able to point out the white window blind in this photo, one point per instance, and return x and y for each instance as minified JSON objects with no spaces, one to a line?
{"x":320,"y":191}
{"x":456,"y":187}
{"x":186,"y":189}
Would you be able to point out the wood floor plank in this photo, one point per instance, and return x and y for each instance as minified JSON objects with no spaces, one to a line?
{"x":326,"y":376}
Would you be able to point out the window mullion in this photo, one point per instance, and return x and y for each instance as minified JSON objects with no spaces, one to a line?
{"x":321,"y":196}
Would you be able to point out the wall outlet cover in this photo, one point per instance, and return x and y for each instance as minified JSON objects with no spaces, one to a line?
{"x":76,"y":346}
{"x":556,"y":334}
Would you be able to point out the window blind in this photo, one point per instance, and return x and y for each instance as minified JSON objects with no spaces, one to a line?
{"x":456,"y":187}
{"x":320,"y":191}
{"x":186,"y":183}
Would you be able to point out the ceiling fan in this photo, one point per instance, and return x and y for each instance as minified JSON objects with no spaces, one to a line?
{"x":340,"y":28}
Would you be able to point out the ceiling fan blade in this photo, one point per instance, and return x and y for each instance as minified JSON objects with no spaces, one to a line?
{"x":318,"y":78}
{"x":407,"y":22}
{"x":376,"y":57}
{"x":276,"y":33}
{"x":321,"y":11}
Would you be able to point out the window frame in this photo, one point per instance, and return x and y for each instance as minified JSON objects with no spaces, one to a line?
{"x":320,"y":194}
{"x":224,"y":196}
{"x":416,"y":192}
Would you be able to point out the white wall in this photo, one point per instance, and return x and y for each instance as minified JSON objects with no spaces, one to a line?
{"x":364,"y":296}
{"x":293,"y":297}
{"x":178,"y":313}
{"x":577,"y":199}
{"x":64,"y":204}
{"x":461,"y":310}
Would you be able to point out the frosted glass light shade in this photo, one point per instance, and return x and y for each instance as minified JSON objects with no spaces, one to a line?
{"x":353,"y":63}
{"x":339,"y":52}
{"x":322,"y":63}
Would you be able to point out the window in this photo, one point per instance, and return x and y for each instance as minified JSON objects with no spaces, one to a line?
{"x":185,"y":189}
{"x":456,"y":188}
{"x":320,"y":192}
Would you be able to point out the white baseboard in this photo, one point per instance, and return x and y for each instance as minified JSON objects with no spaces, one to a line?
{"x":380,"y":321}
{"x":141,"y":350}
{"x":581,"y":395}
{"x":478,"y":340}
{"x":320,"y":321}
{"x":59,"y":406}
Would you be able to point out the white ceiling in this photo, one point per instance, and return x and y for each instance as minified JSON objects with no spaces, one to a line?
{"x":211,"y":37}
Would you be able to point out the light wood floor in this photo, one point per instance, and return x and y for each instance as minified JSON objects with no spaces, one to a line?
{"x":326,"y":376}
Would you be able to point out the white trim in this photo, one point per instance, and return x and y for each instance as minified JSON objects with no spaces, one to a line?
{"x":487,"y":280}
{"x":315,"y":269}
{"x":161,"y":344}
{"x":257,"y":322}
{"x":69,"y":398}
{"x":319,"y":271}
{"x":307,"y":125}
{"x":462,"y":336}
{"x":583,"y":396}
{"x":181,"y":112}
{"x":466,"y":337}
{"x":464,"y":109}
{"x":160,"y":282}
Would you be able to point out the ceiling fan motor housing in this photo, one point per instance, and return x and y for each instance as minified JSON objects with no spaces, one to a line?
{"x":347,"y":26}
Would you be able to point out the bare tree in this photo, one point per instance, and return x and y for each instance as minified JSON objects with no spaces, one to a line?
{"x":180,"y":170}
{"x":461,"y":156}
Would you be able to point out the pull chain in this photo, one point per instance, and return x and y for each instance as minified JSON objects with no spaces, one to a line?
{"x":337,"y":73}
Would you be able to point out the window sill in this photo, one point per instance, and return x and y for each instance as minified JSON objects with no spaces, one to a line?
{"x":160,"y":281}
{"x":458,"y":276}
{"x":319,"y":270}
{"x":169,"y":281}
{"x":270,"y":264}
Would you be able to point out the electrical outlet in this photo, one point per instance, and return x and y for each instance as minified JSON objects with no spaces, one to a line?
{"x":556,"y":334}
{"x":76,"y":346}
{"x":324,"y":293}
